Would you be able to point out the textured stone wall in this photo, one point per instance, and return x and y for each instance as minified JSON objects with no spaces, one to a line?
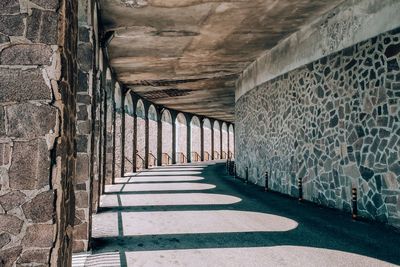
{"x":181,"y":142}
{"x":84,"y":130}
{"x":37,"y":131}
{"x":118,"y":143}
{"x":335,"y":123}
{"x":110,"y":117}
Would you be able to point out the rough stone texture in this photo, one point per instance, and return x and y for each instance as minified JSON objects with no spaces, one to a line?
{"x":30,"y":121}
{"x":39,"y":235}
{"x":166,"y":139}
{"x":334,"y":123}
{"x":12,"y":25}
{"x":9,"y":256}
{"x":10,"y":224}
{"x":30,"y":165}
{"x":12,"y":200}
{"x":36,"y":54}
{"x":42,"y":26}
{"x":40,"y":208}
{"x":217,"y":141}
{"x":37,"y":130}
{"x":23,"y":85}
{"x":4,"y":239}
{"x":38,"y":256}
{"x":128,"y":143}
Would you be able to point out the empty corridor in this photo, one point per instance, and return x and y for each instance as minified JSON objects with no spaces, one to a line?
{"x":197,"y":215}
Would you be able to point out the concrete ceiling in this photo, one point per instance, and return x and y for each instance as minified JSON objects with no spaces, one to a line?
{"x":187,"y":54}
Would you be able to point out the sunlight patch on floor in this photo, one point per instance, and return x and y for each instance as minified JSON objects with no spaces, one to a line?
{"x":157,"y":187}
{"x":178,"y":199}
{"x":197,"y":222}
{"x":295,"y":256}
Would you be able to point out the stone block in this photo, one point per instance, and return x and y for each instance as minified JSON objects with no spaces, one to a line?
{"x":47,"y":4}
{"x":12,"y":25}
{"x":23,"y":85}
{"x":31,"y":121}
{"x":81,"y":232}
{"x":80,"y":216}
{"x":26,"y":54}
{"x":82,"y":82}
{"x":10,"y":224}
{"x":82,"y":113}
{"x":78,"y":246}
{"x":9,"y":256}
{"x":85,"y":56}
{"x":81,"y":200}
{"x":82,"y":168}
{"x":4,"y":239}
{"x":39,"y":235}
{"x":41,"y":208}
{"x":9,"y":6}
{"x":30,"y":165}
{"x":82,"y":143}
{"x":84,"y":127}
{"x":35,"y":256}
{"x":42,"y":27}
{"x":12,"y":200}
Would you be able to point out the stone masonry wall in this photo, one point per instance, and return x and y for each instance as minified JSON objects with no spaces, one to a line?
{"x":37,"y":131}
{"x":84,"y":175}
{"x":336,"y":124}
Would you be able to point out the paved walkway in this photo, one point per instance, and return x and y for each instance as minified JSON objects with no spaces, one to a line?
{"x":196,"y":215}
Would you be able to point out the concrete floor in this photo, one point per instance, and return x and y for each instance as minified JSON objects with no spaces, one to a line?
{"x":197,"y":215}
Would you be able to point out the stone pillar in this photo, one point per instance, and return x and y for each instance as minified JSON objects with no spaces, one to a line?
{"x":135,"y":140}
{"x":122,"y":173}
{"x":37,"y":164}
{"x":110,"y":142}
{"x":146,"y":140}
{"x":202,"y":139}
{"x":173,"y":116}
{"x":188,"y":138}
{"x":159,"y":138}
{"x":228,"y":141}
{"x":212,"y":139}
{"x":114,"y":137}
{"x":220,"y":140}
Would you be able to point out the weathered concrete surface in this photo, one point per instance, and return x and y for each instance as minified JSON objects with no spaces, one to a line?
{"x":187,"y":54}
{"x":343,"y":26}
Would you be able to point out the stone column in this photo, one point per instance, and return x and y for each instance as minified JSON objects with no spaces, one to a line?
{"x":220,"y":140}
{"x":38,"y":94}
{"x":212,"y":139}
{"x":110,"y":142}
{"x":159,"y":138}
{"x":146,"y":140}
{"x":122,"y":137}
{"x":173,"y":116}
{"x":188,"y":138}
{"x":135,"y":139}
{"x":228,"y":140}
{"x":202,"y":139}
